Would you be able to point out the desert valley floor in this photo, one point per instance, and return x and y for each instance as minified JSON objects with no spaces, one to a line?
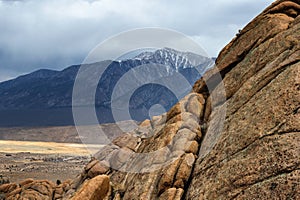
{"x":42,"y":159}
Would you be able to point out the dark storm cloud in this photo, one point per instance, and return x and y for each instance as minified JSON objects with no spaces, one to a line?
{"x":56,"y":33}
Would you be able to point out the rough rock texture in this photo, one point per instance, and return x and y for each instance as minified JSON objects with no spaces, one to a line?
{"x":28,"y":189}
{"x":94,"y":189}
{"x":257,"y":153}
{"x":235,"y":136}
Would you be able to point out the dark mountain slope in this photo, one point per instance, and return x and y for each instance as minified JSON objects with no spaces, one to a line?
{"x":46,"y":95}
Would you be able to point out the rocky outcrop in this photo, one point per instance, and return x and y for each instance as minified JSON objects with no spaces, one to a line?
{"x":28,"y":189}
{"x":256,"y":155}
{"x":235,"y":136}
{"x":94,"y":189}
{"x":156,"y":160}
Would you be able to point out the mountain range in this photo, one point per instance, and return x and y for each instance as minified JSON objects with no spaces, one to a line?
{"x":44,"y":97}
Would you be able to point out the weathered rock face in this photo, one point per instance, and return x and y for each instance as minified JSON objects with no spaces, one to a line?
{"x":235,"y":136}
{"x":257,"y":154}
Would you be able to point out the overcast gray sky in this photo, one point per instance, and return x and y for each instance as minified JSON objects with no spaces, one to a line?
{"x":54,"y":34}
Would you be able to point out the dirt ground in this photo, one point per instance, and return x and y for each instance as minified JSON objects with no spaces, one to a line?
{"x":42,"y":160}
{"x":53,"y":153}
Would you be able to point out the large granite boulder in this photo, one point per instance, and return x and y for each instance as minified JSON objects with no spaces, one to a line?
{"x":257,"y":153}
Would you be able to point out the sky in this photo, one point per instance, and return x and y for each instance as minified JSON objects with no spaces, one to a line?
{"x":55,"y":34}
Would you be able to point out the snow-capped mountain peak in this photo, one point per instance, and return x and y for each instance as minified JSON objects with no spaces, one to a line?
{"x":173,"y":58}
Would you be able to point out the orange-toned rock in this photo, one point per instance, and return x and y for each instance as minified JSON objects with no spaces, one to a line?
{"x":98,"y":169}
{"x":172,"y":194}
{"x":94,"y":189}
{"x":184,"y":171}
{"x":256,"y":153}
{"x":25,"y":182}
{"x":167,"y":176}
{"x":7,"y":188}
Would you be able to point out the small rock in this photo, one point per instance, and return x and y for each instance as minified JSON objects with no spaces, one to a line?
{"x":91,"y":164}
{"x":25,"y":182}
{"x":98,"y":169}
{"x":192,"y":147}
{"x":94,"y":189}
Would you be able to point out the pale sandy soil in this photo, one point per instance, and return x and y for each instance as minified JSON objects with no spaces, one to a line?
{"x":8,"y":146}
{"x":20,"y":160}
{"x":50,"y":152}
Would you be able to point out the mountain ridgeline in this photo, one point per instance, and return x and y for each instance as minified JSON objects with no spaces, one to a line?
{"x":44,"y":97}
